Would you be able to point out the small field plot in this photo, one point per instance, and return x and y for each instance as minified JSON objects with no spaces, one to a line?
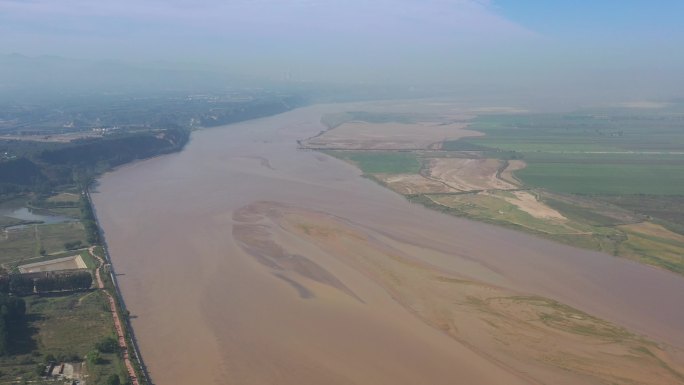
{"x":53,"y":237}
{"x":17,"y":244}
{"x":61,"y":328}
{"x":72,"y":212}
{"x":65,"y":197}
{"x":66,"y":263}
{"x":33,"y":240}
{"x":382,"y":162}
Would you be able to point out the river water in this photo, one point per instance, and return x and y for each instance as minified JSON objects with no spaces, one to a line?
{"x":206,"y":313}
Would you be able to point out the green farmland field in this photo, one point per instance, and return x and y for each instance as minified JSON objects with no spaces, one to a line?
{"x":381,"y":162}
{"x":605,"y":179}
{"x":598,"y":152}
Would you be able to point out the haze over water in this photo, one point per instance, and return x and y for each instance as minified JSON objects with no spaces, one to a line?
{"x":206,"y":311}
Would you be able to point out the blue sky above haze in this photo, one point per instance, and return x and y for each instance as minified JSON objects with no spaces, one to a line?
{"x":565,"y":18}
{"x":510,"y":42}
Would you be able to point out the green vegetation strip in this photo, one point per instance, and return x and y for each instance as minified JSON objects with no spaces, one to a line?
{"x":385,"y":162}
{"x":606,"y":179}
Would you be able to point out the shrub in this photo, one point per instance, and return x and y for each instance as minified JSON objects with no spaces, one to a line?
{"x":108,"y":345}
{"x":95,"y":358}
{"x":113,"y":379}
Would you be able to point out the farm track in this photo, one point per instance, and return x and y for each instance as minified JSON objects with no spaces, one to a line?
{"x":117,"y":320}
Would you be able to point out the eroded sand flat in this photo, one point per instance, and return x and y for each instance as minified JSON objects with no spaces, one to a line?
{"x":532,"y":338}
{"x":343,"y":281}
{"x":329,"y":320}
{"x":529,"y":203}
{"x":413,"y":184}
{"x":469,"y":174}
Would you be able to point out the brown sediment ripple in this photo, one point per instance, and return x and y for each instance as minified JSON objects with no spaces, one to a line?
{"x":535,"y":338}
{"x":358,"y":308}
{"x":255,"y":239}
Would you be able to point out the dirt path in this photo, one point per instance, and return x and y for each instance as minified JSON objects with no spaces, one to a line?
{"x":117,"y":319}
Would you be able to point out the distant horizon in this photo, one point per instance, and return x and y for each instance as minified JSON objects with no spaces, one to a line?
{"x":579,"y":51}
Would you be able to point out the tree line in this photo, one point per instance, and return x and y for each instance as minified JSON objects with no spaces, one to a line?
{"x":89,"y":221}
{"x":77,"y":281}
{"x":19,"y":284}
{"x":49,"y":165}
{"x":12,"y":312}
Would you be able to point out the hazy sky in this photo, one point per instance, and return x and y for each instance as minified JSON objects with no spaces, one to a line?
{"x":453,"y":41}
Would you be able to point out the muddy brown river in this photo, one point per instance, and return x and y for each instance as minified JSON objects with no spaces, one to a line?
{"x":208,"y":309}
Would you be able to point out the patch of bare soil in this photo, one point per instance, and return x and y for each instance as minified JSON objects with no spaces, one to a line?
{"x":529,"y":203}
{"x":617,"y":214}
{"x":469,"y":174}
{"x":66,"y":263}
{"x":408,"y":184}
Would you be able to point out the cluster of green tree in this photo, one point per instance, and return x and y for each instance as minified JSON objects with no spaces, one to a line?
{"x":89,"y":222}
{"x":20,"y":175}
{"x":234,"y":113}
{"x":117,"y":150}
{"x":108,"y":345}
{"x":19,"y":284}
{"x":12,"y":311}
{"x":113,"y":379}
{"x":75,"y":281}
{"x":41,"y":166}
{"x":72,"y":245}
{"x":80,"y":161}
{"x":16,"y":284}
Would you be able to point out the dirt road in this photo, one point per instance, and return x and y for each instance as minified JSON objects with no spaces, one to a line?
{"x":117,"y":319}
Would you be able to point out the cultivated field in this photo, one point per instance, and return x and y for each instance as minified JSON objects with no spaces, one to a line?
{"x":64,"y":328}
{"x":20,"y":244}
{"x":595,"y":178}
{"x":59,"y":327}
